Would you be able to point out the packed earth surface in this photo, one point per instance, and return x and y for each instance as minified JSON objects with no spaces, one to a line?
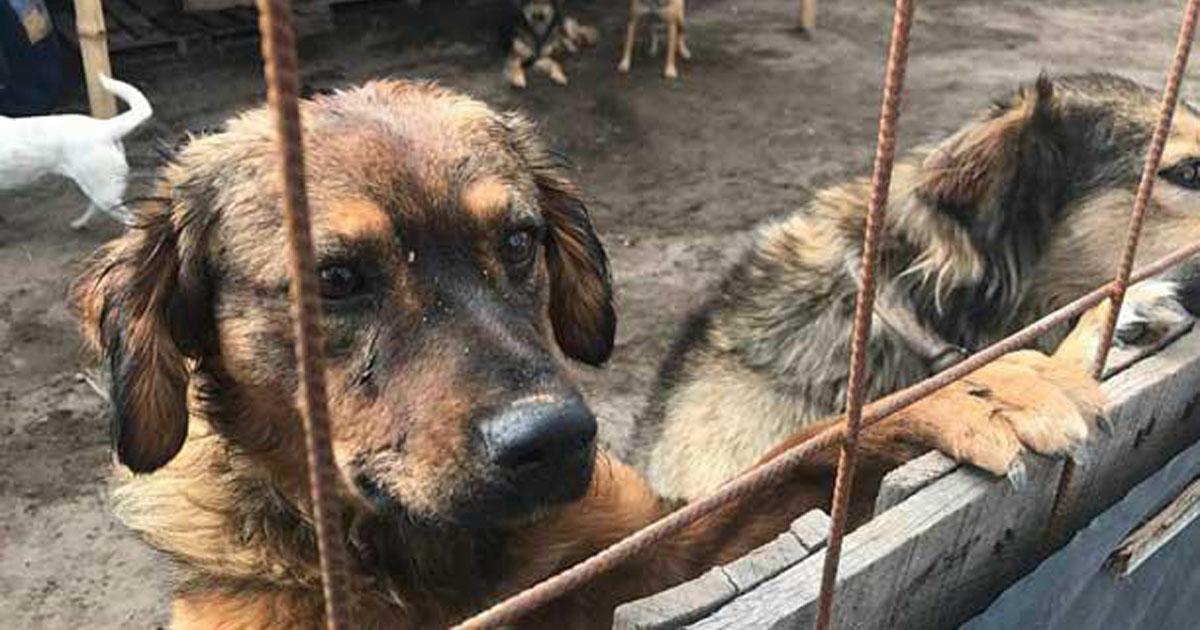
{"x":677,"y":174}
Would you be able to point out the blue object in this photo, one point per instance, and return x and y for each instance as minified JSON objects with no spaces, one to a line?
{"x":31,"y":69}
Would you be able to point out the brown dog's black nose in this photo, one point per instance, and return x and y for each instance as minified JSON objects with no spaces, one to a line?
{"x":534,"y":434}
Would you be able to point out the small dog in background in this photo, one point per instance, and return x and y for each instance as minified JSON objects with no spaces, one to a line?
{"x":534,"y":33}
{"x":85,"y":149}
{"x":670,"y":12}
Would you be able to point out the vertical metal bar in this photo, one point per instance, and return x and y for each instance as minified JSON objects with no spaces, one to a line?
{"x":1141,"y":202}
{"x":281,"y":70}
{"x":897,"y":62}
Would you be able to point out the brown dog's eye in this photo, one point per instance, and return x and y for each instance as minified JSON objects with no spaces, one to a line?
{"x":339,"y":282}
{"x":519,"y":246}
{"x":1185,"y":173}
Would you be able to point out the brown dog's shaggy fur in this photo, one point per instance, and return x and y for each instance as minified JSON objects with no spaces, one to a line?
{"x":458,"y":270}
{"x":1019,"y":212}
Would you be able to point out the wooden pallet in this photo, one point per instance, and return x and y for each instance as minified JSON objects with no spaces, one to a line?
{"x":161,"y":26}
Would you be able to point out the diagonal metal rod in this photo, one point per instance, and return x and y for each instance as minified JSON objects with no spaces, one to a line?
{"x":864,"y":307}
{"x":1141,"y":203}
{"x":283,"y":86}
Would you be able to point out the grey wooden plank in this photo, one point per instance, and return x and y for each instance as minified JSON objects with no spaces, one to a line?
{"x":692,"y":600}
{"x":766,"y":562}
{"x":812,"y":529}
{"x":933,"y":560}
{"x":1148,"y":408}
{"x":906,"y":480}
{"x":676,"y":606}
{"x":1161,"y":529}
{"x":1072,"y":589}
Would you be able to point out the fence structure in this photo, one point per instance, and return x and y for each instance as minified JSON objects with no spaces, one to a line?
{"x":945,"y":540}
{"x":281,"y":71}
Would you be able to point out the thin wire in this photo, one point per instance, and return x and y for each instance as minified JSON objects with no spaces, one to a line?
{"x":1141,"y":202}
{"x":864,"y":307}
{"x":775,"y":470}
{"x":282,"y":76}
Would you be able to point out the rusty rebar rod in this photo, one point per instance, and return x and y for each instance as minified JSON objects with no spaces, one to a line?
{"x":281,"y":70}
{"x":864,"y":306}
{"x":1141,"y":203}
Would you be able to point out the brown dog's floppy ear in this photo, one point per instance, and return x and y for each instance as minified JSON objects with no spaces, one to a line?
{"x":130,"y":304}
{"x":581,"y":299}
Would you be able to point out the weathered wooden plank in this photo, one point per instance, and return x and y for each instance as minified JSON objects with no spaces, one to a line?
{"x":93,"y":47}
{"x":766,"y":562}
{"x":939,"y":556}
{"x":906,"y":480}
{"x":692,"y":600}
{"x":1149,"y":411}
{"x":679,"y":605}
{"x":1073,"y":589}
{"x":1158,"y":531}
{"x":812,"y":529}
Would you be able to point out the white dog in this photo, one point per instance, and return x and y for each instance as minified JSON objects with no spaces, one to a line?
{"x":87,"y":150}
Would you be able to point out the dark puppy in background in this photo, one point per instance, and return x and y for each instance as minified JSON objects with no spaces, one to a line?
{"x":1019,"y":212}
{"x":661,"y":12}
{"x":533,"y":32}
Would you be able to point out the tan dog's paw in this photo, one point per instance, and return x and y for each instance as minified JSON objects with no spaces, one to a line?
{"x":1151,"y":309}
{"x":1024,"y":401}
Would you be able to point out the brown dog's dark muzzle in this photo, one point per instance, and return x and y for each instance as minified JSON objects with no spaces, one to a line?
{"x":528,"y":436}
{"x":541,"y":450}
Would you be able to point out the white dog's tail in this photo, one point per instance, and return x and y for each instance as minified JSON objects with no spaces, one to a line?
{"x":139,"y":108}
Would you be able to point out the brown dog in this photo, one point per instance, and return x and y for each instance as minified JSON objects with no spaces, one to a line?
{"x":458,"y":269}
{"x":671,"y":13}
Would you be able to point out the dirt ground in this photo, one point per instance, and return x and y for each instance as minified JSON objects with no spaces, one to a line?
{"x":676,"y":172}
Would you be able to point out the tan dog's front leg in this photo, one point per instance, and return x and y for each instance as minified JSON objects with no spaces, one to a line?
{"x":630,"y":35}
{"x":514,"y":66}
{"x":683,"y":47}
{"x":1024,"y":401}
{"x":552,"y":70}
{"x":669,"y":71}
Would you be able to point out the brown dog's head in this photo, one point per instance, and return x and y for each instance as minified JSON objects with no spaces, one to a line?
{"x":457,"y":266}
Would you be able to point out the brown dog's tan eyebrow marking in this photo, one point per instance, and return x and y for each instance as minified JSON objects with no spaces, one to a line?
{"x":358,"y":218}
{"x":486,"y":198}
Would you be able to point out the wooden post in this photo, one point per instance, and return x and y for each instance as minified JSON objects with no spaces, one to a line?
{"x":93,"y":46}
{"x":808,"y":15}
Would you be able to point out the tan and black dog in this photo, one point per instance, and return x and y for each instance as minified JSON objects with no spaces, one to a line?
{"x":668,"y":12}
{"x":1020,"y":211}
{"x":536,"y":30}
{"x":458,"y":272}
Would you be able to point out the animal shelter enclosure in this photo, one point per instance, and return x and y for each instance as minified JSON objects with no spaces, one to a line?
{"x":947,"y":546}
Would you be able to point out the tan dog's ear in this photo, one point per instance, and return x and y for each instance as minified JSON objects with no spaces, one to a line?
{"x":1002,"y":176}
{"x":131,"y":304}
{"x":581,"y":299}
